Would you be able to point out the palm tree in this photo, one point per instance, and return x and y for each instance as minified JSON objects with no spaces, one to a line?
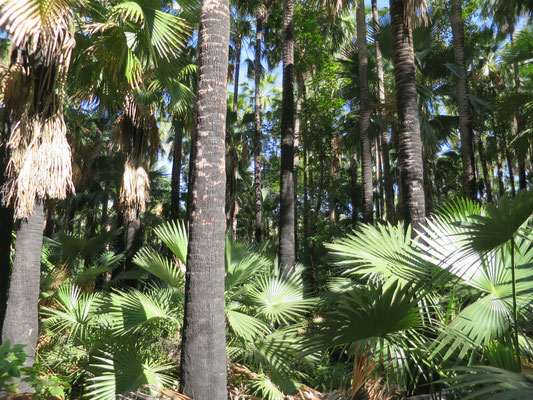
{"x":463,"y":100}
{"x":287,"y":250}
{"x":34,"y":93}
{"x":364,"y":123}
{"x":409,"y":140}
{"x":203,"y":326}
{"x":258,"y":128}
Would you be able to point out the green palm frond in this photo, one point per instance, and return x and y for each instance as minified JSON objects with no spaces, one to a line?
{"x":280,"y":298}
{"x":368,"y":312}
{"x":74,"y":312}
{"x":482,"y":382}
{"x":381,"y":250}
{"x":263,"y":386}
{"x":244,"y":325}
{"x":131,"y":310}
{"x":125,"y":369}
{"x":241,"y":263}
{"x":160,"y":266}
{"x":174,"y":235}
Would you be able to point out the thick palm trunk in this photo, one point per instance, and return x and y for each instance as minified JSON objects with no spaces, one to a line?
{"x":409,"y":140}
{"x":21,"y":320}
{"x":258,"y":130}
{"x":287,"y":254}
{"x":176,"y":173}
{"x":364,"y":121}
{"x":203,"y":355}
{"x":463,"y":100}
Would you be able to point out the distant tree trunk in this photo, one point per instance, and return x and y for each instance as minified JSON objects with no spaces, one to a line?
{"x":409,"y":139}
{"x":203,"y":355}
{"x":364,"y":120}
{"x":21,"y":321}
{"x":132,"y":241}
{"x":353,"y":189}
{"x":463,"y":100}
{"x":287,"y":255}
{"x":306,"y":202}
{"x":485,"y":168}
{"x":258,"y":131}
{"x":176,"y":172}
{"x":299,"y":98}
{"x":500,"y":176}
{"x":379,"y":182}
{"x":387,"y":188}
{"x":238,"y":48}
{"x":509,"y":159}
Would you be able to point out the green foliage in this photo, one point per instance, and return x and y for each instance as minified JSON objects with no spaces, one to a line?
{"x":11,"y":362}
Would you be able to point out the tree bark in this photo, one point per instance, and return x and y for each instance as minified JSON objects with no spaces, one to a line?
{"x":21,"y":323}
{"x":176,"y":172}
{"x":287,"y":255}
{"x":509,"y":158}
{"x":203,"y":355}
{"x":409,"y":139}
{"x":258,"y":131}
{"x":353,"y":189}
{"x":299,"y":99}
{"x":364,"y":120}
{"x":500,"y":176}
{"x":463,"y":100}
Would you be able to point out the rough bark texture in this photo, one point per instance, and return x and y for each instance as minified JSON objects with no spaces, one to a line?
{"x":463,"y":100}
{"x":287,"y":254}
{"x":501,"y":185}
{"x":258,"y":131}
{"x":21,"y":323}
{"x":176,"y":173}
{"x":353,"y":189}
{"x":364,"y":120}
{"x":203,"y":355}
{"x":409,"y":140}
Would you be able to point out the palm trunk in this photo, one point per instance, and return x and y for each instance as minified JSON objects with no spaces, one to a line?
{"x":287,"y":255}
{"x":306,"y":202}
{"x":509,"y":159}
{"x":21,"y":321}
{"x":379,"y":182}
{"x":409,"y":140}
{"x":258,"y":130}
{"x":204,"y":377}
{"x":388,"y":189}
{"x":238,"y":48}
{"x":364,"y":121}
{"x":353,"y":189}
{"x":485,"y":168}
{"x":463,"y":100}
{"x":500,"y":176}
{"x":299,"y":98}
{"x":176,"y":173}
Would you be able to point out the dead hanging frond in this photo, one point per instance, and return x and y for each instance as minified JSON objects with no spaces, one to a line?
{"x":415,"y":12}
{"x":135,"y":189}
{"x":137,"y":135}
{"x":33,"y":92}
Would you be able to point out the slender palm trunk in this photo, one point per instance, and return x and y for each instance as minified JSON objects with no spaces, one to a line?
{"x":485,"y":168}
{"x":287,"y":255}
{"x":501,"y":185}
{"x":21,"y":320}
{"x":409,"y":139}
{"x":388,"y":189}
{"x":364,"y":121}
{"x":176,"y":173}
{"x":509,"y":158}
{"x":203,"y":355}
{"x":463,"y":100}
{"x":297,"y":121}
{"x":258,"y":130}
{"x":353,"y":190}
{"x":238,"y":48}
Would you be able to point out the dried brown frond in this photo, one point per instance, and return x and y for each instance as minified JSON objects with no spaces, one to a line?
{"x":135,"y":189}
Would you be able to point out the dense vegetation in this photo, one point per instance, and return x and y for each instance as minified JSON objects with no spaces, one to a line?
{"x":266,"y":199}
